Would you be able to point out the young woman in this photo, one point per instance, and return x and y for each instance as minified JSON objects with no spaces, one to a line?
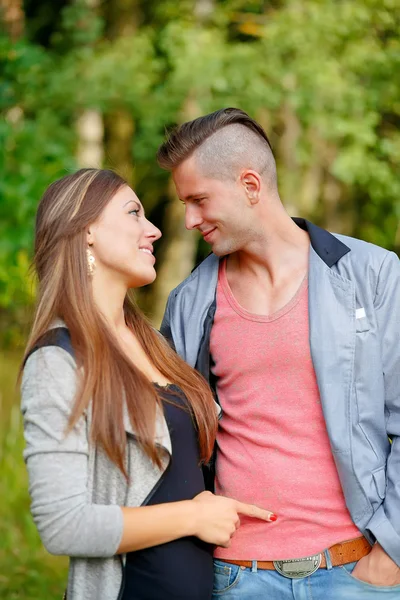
{"x":116,"y":425}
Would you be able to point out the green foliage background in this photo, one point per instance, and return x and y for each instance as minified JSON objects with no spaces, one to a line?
{"x":322,"y":76}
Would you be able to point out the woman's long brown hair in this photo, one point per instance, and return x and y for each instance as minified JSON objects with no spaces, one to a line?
{"x":107,"y":377}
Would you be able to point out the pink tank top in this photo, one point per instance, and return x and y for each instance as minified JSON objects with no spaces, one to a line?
{"x":272,"y":446}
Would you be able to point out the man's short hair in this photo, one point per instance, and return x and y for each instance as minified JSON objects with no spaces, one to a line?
{"x":224,"y":142}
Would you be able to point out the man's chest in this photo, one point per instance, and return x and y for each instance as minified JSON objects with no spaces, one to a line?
{"x":268,"y":355}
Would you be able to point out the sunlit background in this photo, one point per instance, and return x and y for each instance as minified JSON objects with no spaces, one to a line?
{"x":96,"y":82}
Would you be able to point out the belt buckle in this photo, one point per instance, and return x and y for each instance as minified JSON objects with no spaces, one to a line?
{"x":298,"y":568}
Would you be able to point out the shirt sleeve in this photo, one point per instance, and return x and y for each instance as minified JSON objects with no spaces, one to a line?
{"x":57,"y":462}
{"x":385,"y":523}
{"x":165,"y":328}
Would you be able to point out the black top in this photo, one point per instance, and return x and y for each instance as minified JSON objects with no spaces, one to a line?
{"x":181,"y":569}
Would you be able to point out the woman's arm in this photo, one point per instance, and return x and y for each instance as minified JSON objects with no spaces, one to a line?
{"x":213,"y":519}
{"x":57,"y":464}
{"x":58,"y":469}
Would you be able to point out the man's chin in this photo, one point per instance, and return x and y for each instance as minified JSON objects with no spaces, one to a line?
{"x":219,"y":251}
{"x":223,"y":247}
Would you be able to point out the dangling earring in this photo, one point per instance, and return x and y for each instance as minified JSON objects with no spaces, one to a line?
{"x":91,"y":262}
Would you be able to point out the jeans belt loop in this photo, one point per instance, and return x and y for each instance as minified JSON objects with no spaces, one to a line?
{"x":328,"y":560}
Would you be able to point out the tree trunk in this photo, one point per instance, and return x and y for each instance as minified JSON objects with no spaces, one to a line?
{"x":119,"y":131}
{"x":90,"y":130}
{"x":178,"y":259}
{"x":12,"y":17}
{"x":180,"y":251}
{"x":286,"y":154}
{"x":312,"y":179}
{"x":122,"y":19}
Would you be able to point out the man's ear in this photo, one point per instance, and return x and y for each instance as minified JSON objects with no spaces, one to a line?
{"x":251,"y":182}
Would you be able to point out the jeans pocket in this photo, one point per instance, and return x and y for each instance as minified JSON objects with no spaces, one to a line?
{"x":226,"y":576}
{"x":348,"y":570}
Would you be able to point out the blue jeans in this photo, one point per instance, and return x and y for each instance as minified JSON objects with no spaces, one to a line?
{"x":232,"y":582}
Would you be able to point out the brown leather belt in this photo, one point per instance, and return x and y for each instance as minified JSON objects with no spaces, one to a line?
{"x":340,"y":554}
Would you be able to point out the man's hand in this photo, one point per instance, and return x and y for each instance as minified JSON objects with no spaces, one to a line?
{"x":377,"y":568}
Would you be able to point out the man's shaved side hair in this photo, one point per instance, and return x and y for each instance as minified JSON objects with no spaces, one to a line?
{"x":234,"y":148}
{"x":224,"y":143}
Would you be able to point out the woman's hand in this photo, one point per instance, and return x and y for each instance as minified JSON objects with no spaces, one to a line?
{"x":213,"y":519}
{"x":217,"y":517}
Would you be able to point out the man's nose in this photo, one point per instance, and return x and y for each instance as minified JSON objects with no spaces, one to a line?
{"x":193,"y":218}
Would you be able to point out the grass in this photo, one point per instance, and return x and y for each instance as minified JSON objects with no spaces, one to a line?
{"x":27,"y":571}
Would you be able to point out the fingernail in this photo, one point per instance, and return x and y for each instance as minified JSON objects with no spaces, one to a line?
{"x":273,"y":517}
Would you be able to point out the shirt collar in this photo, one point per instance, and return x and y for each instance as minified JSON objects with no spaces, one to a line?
{"x":326,"y":245}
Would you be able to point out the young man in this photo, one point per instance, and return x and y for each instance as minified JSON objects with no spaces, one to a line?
{"x":298,"y":330}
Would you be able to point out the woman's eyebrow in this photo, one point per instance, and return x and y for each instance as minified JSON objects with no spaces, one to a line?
{"x":132,"y":200}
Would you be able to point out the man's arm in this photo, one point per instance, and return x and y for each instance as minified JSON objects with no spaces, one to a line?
{"x":381,"y":567}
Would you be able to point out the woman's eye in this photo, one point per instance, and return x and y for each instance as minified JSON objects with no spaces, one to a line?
{"x":135,"y":212}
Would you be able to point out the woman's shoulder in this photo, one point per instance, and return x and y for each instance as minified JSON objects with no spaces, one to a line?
{"x":57,"y":336}
{"x":50,"y":367}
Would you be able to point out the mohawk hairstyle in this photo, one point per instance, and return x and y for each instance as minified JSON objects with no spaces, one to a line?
{"x":184,"y":140}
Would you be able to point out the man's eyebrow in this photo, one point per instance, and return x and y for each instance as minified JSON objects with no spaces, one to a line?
{"x":192,"y":196}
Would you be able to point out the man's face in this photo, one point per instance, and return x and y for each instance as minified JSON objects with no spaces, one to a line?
{"x":217,"y":208}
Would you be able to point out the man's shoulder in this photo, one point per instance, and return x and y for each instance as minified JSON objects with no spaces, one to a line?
{"x":201,"y":275}
{"x":363,"y":251}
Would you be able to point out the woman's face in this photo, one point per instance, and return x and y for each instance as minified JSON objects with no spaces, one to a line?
{"x":121,"y":241}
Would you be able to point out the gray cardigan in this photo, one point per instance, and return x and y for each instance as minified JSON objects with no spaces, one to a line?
{"x":76,"y":491}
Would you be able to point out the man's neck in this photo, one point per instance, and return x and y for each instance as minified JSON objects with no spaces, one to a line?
{"x":280,"y":251}
{"x":265,"y":276}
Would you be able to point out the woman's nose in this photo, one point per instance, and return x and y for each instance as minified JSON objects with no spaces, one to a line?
{"x":152,"y":231}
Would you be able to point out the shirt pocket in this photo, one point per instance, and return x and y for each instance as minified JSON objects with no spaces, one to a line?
{"x":362,"y":324}
{"x":379,"y":476}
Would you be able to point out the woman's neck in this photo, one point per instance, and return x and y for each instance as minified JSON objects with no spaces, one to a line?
{"x":109,"y":297}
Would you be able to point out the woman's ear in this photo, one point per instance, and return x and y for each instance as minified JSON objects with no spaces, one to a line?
{"x":89,"y":236}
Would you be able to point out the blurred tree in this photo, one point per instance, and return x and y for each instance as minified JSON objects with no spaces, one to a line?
{"x":321,"y":76}
{"x":43,"y":20}
{"x":122,"y":19}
